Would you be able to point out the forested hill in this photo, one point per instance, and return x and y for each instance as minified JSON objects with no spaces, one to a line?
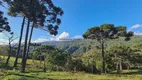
{"x":81,"y":46}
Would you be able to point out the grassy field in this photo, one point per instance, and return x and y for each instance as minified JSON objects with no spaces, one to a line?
{"x":16,"y":75}
{"x":7,"y":73}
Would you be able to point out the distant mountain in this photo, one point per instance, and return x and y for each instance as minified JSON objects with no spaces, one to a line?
{"x":78,"y":47}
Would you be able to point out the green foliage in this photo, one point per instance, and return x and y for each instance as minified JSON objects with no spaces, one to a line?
{"x":122,"y":57}
{"x":107,"y":31}
{"x":77,"y":64}
{"x":92,"y":61}
{"x":4,"y":24}
{"x":57,"y":58}
{"x":4,"y":50}
{"x":107,"y":27}
{"x":39,"y":12}
{"x":54,"y":57}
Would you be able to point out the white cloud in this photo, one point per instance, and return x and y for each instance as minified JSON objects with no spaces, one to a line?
{"x":135,"y":27}
{"x":52,"y":38}
{"x":78,"y":37}
{"x":137,"y":33}
{"x":40,"y":40}
{"x":62,"y":36}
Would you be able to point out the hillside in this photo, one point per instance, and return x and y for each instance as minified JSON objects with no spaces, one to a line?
{"x":81,"y":46}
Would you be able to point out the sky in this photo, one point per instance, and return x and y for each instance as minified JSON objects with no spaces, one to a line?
{"x":79,"y":15}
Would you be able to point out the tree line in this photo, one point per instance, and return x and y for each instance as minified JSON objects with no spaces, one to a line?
{"x":117,"y":58}
{"x":41,"y":14}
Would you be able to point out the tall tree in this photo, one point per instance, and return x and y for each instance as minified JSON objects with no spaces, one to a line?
{"x":4,"y":24}
{"x":39,"y":12}
{"x":19,"y":45}
{"x":39,"y":16}
{"x":104,"y":32}
{"x":11,"y":38}
{"x":43,"y":15}
{"x":15,"y":11}
{"x":46,"y":16}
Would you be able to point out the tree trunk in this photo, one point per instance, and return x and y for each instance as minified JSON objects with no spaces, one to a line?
{"x":103,"y":59}
{"x":25,"y":47}
{"x":128,"y":67}
{"x":19,"y":45}
{"x":117,"y":66}
{"x":57,"y":68}
{"x":44,"y":69}
{"x":120,"y":67}
{"x":29,"y":41}
{"x":40,"y":59}
{"x":26,"y":38}
{"x":92,"y":69}
{"x":9,"y":52}
{"x":33,"y":56}
{"x":33,"y":60}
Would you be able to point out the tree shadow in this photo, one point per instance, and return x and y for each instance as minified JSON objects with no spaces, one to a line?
{"x":28,"y":76}
{"x":61,"y":79}
{"x":36,"y":77}
{"x":37,"y":71}
{"x":6,"y":67}
{"x":139,"y":72}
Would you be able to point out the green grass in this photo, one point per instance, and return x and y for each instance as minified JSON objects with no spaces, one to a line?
{"x":33,"y":72}
{"x":14,"y":75}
